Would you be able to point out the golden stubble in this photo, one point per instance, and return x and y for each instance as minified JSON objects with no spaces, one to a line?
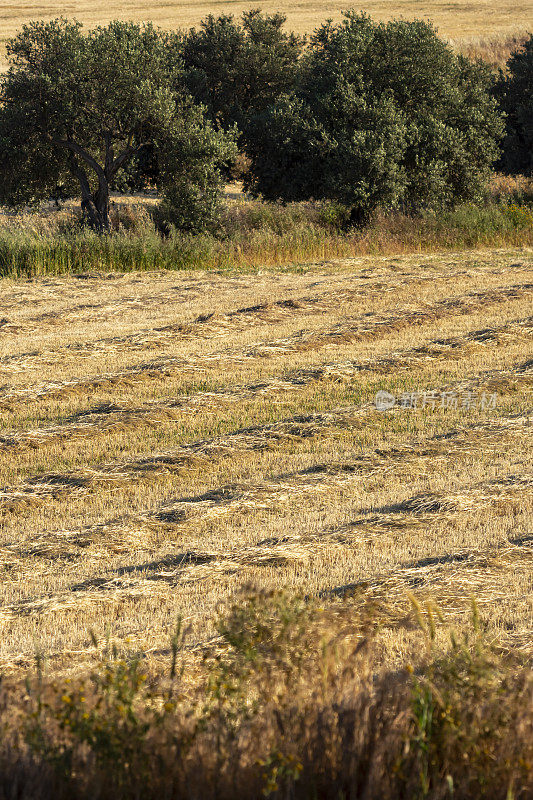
{"x":169,"y":438}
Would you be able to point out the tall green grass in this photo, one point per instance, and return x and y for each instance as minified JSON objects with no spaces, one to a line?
{"x":255,"y":235}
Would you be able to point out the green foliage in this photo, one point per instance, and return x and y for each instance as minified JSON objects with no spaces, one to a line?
{"x":382,"y":115}
{"x":280,"y":771}
{"x":100,"y":715}
{"x":263,"y":632}
{"x":262,"y":635}
{"x":80,"y":108}
{"x":515,"y":94}
{"x":238,"y":69}
{"x":110,"y":723}
{"x":334,"y":215}
{"x":191,"y":155}
{"x":521,"y":217}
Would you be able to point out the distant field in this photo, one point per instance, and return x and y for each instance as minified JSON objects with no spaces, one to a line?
{"x":479,"y":18}
{"x":168,"y":438}
{"x":482,"y":28}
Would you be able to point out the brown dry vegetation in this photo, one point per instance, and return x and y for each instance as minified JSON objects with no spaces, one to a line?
{"x":495,"y":50}
{"x":171,"y":438}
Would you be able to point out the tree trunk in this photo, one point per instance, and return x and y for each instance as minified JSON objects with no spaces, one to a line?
{"x":95,"y":209}
{"x":88,"y":212}
{"x":94,"y":205}
{"x":101,"y":204}
{"x":359,"y":217}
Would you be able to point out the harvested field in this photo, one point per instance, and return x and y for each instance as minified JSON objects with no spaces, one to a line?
{"x":366,"y":328}
{"x":454,"y":19}
{"x":112,"y":416}
{"x":168,"y":439}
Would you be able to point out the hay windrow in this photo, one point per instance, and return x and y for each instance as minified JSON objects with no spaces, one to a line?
{"x":210,"y":324}
{"x":503,"y":494}
{"x":205,"y":453}
{"x":452,"y":579}
{"x":476,"y":572}
{"x":114,"y":417}
{"x":277,"y":493}
{"x":118,"y":535}
{"x":207,"y":325}
{"x":361,"y":329}
{"x":380,"y":325}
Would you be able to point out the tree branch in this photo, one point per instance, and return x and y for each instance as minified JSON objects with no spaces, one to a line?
{"x":123,"y":157}
{"x":79,"y":173}
{"x":78,"y":150}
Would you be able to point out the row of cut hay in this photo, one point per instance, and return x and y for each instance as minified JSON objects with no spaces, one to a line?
{"x":114,"y":417}
{"x":90,"y":309}
{"x":205,"y":453}
{"x":214,"y":323}
{"x":358,"y":330}
{"x":118,"y":535}
{"x":210,"y":324}
{"x":451,"y":580}
{"x":513,"y":492}
{"x":279,"y":492}
{"x":379,"y":325}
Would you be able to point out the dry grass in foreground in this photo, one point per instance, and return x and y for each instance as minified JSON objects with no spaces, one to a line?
{"x":291,"y":700}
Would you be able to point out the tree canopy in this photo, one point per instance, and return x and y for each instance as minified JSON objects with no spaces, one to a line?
{"x":78,"y":107}
{"x":369,"y":114}
{"x":382,"y":114}
{"x":239,"y":69}
{"x":515,"y":93}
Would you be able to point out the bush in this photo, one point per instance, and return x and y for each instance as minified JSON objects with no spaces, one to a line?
{"x":193,"y":154}
{"x":383,"y":115}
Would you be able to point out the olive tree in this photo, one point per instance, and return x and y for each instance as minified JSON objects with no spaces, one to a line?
{"x":80,"y":107}
{"x":238,"y":68}
{"x":382,"y":115}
